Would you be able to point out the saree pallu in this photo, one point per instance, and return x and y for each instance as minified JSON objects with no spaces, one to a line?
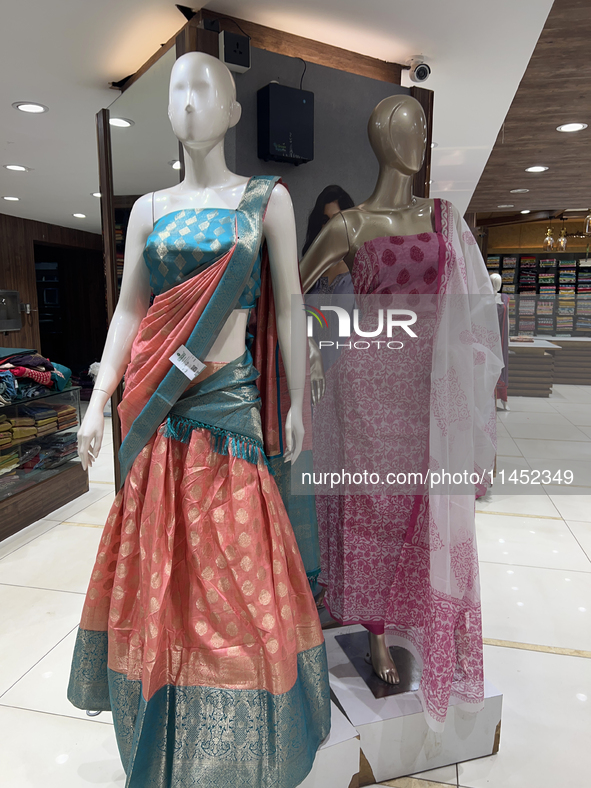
{"x":199,"y":630}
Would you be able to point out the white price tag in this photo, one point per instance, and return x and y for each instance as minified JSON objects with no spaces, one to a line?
{"x":188,"y":364}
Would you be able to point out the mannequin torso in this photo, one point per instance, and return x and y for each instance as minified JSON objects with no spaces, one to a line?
{"x":200,"y":118}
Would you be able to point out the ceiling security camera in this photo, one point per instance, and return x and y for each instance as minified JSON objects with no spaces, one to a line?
{"x":418,"y":70}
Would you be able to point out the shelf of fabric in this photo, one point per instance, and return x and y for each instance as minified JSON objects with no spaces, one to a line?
{"x":545,"y":323}
{"x":493,"y":263}
{"x":526,"y":313}
{"x":39,"y":466}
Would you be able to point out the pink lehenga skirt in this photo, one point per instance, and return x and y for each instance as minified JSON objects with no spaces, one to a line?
{"x":199,"y":630}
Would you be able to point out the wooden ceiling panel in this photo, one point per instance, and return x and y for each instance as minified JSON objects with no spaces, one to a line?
{"x":555,"y":89}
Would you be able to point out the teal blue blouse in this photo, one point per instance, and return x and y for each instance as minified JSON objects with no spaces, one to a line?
{"x":184,"y":243}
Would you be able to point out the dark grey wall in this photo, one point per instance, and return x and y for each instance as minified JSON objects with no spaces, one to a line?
{"x":342,"y":103}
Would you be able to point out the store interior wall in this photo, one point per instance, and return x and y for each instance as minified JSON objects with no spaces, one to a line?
{"x":343,"y":103}
{"x":528,"y":236}
{"x":18,"y":240}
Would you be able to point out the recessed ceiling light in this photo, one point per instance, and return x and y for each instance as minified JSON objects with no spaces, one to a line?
{"x":575,"y":210}
{"x":519,"y":191}
{"x":175,"y":164}
{"x":11,"y":199}
{"x":571,"y":127}
{"x":536,"y":168}
{"x":30,"y":106}
{"x":17,"y":167}
{"x":433,"y":144}
{"x":506,"y":205}
{"x":121,"y":123}
{"x":526,"y":211}
{"x":96,"y":194}
{"x":79,"y":215}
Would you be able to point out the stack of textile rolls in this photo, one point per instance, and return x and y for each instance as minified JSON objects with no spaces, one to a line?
{"x":22,"y":428}
{"x":45,"y":418}
{"x":67,"y":416}
{"x":5,"y":432}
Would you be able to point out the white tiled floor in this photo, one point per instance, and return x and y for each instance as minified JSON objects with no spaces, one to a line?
{"x":535,"y":555}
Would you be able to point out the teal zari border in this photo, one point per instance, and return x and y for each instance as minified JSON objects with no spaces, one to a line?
{"x":203,"y":736}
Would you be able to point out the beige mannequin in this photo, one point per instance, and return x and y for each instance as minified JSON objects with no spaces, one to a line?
{"x":397,"y":132}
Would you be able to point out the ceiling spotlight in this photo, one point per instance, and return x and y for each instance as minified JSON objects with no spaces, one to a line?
{"x":519,"y":191}
{"x":575,"y":210}
{"x":11,"y":199}
{"x":526,"y":211}
{"x":79,"y":215}
{"x":30,"y":106}
{"x":175,"y":164}
{"x":506,"y":205}
{"x":536,"y":168}
{"x":433,"y":144}
{"x":571,"y":127}
{"x":96,"y":194}
{"x":17,"y":167}
{"x":121,"y":123}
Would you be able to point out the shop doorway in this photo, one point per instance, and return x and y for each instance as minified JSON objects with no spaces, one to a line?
{"x":72,"y":305}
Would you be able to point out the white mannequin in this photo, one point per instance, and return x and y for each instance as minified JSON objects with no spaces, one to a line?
{"x":497,"y":283}
{"x":202,"y":107}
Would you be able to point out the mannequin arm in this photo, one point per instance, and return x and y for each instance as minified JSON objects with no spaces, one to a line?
{"x":131,"y":308}
{"x":280,"y":233}
{"x":330,"y":246}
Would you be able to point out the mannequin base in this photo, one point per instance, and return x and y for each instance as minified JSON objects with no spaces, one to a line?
{"x":356,"y":647}
{"x":395,"y":738}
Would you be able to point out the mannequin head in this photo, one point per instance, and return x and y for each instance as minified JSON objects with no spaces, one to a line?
{"x":397,"y":132}
{"x":202,"y":102}
{"x":496,"y":282}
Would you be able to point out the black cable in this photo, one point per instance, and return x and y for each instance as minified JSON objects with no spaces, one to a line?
{"x":239,"y":28}
{"x":303,"y":72}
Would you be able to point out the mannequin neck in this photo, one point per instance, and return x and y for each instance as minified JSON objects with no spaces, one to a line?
{"x":393,"y":190}
{"x":206,"y":168}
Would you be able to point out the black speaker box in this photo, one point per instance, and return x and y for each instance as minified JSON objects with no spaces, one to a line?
{"x":285,"y":119}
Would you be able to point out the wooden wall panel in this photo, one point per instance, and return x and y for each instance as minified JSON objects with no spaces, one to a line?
{"x":529,"y":237}
{"x":191,"y":38}
{"x":555,"y":89}
{"x":313,"y":51}
{"x":17,"y":266}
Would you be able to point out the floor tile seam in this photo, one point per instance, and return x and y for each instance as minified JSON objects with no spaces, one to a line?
{"x":33,"y":538}
{"x":533,"y":566}
{"x":38,"y":661}
{"x":83,"y":525}
{"x":545,"y":568}
{"x":54,"y":714}
{"x":517,"y":514}
{"x":419,"y":780}
{"x":41,"y":588}
{"x":559,"y":651}
{"x":49,"y":516}
{"x":575,"y":538}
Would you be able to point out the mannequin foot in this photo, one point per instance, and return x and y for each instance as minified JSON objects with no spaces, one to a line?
{"x":381,"y":659}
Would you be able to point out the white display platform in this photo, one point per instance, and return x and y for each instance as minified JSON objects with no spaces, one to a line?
{"x":337,"y":760}
{"x":394,"y":734}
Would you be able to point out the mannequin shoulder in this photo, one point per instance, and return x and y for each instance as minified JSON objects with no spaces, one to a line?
{"x":141,"y":215}
{"x":279,"y":207}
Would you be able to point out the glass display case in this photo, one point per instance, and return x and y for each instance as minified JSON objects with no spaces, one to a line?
{"x":39,"y":466}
